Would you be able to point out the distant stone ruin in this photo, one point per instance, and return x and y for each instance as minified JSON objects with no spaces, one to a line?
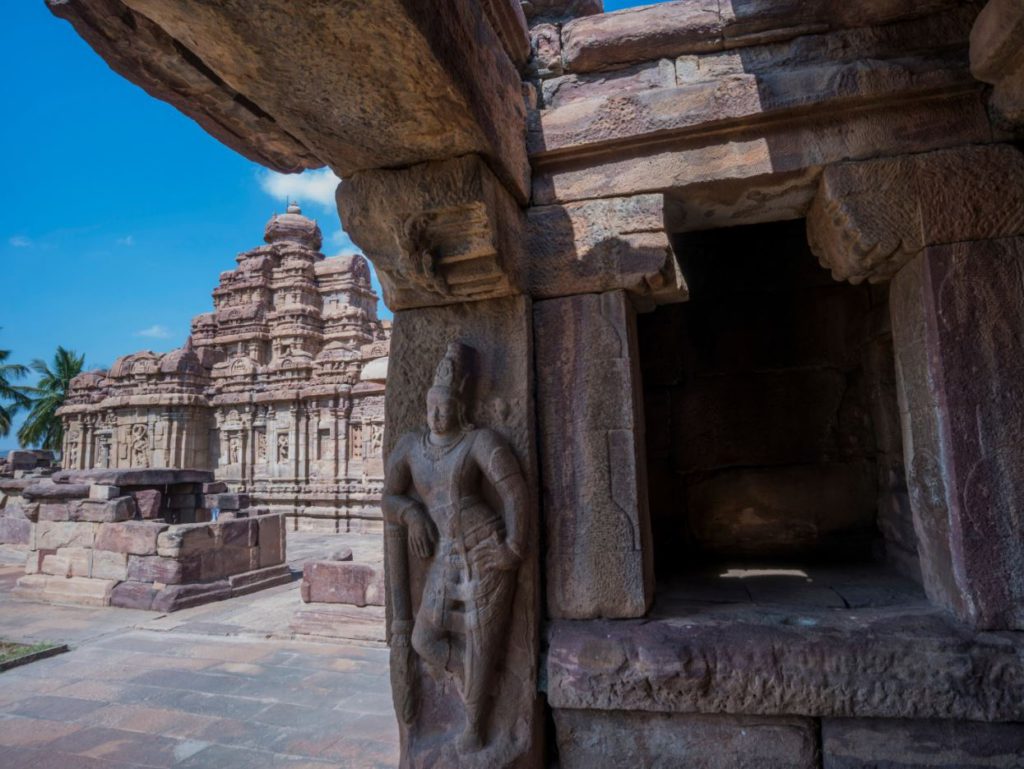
{"x":279,"y":390}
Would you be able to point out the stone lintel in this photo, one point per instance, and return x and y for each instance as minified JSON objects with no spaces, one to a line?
{"x":957,"y":312}
{"x":613,"y":40}
{"x":997,"y":57}
{"x":593,"y":463}
{"x":910,"y":661}
{"x":602,"y":245}
{"x":355,"y":85}
{"x":870,"y":218}
{"x":438,"y":233}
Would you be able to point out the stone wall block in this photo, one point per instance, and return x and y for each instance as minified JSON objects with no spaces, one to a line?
{"x":103,"y":492}
{"x":957,"y":311}
{"x":595,"y":738}
{"x":111,"y":511}
{"x":149,"y":503}
{"x":593,"y":465}
{"x":51,"y":535}
{"x":849,"y":743}
{"x":168,"y":571}
{"x":134,"y":595}
{"x":241,"y":532}
{"x":15,"y":531}
{"x":56,"y":511}
{"x":272,"y":535}
{"x":68,"y":562}
{"x":107,"y":564}
{"x":132,"y":537}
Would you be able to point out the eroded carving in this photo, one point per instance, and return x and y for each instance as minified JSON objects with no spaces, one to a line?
{"x":437,"y":508}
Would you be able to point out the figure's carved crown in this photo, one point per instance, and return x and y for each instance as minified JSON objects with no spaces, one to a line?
{"x":451,"y":371}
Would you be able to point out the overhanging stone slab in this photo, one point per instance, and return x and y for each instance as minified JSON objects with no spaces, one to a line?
{"x":355,"y":85}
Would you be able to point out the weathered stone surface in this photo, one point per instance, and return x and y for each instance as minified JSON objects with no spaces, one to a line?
{"x":785,"y":511}
{"x":133,"y":595}
{"x":886,"y":744}
{"x":997,"y":57}
{"x":168,"y":571}
{"x":259,"y":579}
{"x":110,"y":511}
{"x":55,"y":490}
{"x":15,"y":530}
{"x":272,"y":537}
{"x":870,"y":218}
{"x":56,"y":511}
{"x":109,"y":565}
{"x":359,"y":584}
{"x":593,"y":738}
{"x":813,"y":662}
{"x":226,"y":501}
{"x":437,"y":233}
{"x":217,"y":487}
{"x":132,"y":537}
{"x":148,"y":502}
{"x":175,"y":597}
{"x":546,"y":43}
{"x":599,"y":561}
{"x":499,"y":334}
{"x":404,"y":82}
{"x":956,"y":314}
{"x":51,"y":535}
{"x":103,"y":492}
{"x":68,"y":562}
{"x":559,"y":10}
{"x":75,"y":590}
{"x":603,"y":245}
{"x":670,"y":29}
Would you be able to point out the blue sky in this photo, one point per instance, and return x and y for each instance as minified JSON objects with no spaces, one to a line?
{"x":117,"y":212}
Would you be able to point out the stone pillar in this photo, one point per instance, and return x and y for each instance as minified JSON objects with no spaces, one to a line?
{"x":592,"y":458}
{"x":958,"y":326}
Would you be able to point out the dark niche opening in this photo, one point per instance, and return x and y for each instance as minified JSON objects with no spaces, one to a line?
{"x":770,"y":402}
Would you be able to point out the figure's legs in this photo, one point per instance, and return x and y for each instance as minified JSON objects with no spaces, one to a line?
{"x":484,"y":649}
{"x":430,"y":643}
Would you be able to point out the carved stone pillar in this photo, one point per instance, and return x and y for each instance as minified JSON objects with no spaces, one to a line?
{"x":498,"y":334}
{"x":937,"y":222}
{"x":592,"y":458}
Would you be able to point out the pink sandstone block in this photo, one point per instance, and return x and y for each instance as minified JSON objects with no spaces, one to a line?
{"x":133,"y":537}
{"x":358,"y":584}
{"x":149,"y":502}
{"x":168,"y":571}
{"x":271,"y":539}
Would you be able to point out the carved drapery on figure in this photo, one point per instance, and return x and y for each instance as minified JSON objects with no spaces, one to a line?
{"x":140,"y":446}
{"x":456,"y":509}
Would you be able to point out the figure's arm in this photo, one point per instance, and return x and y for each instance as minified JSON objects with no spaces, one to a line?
{"x":400,"y":509}
{"x":500,"y":467}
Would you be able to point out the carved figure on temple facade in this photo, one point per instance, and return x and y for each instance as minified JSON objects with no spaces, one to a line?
{"x":376,"y":441}
{"x":234,"y":449}
{"x":435,"y":509}
{"x":261,"y":446}
{"x":140,"y":446}
{"x":282,"y":447}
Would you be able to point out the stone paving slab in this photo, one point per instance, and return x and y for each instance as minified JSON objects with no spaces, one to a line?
{"x":219,"y":686}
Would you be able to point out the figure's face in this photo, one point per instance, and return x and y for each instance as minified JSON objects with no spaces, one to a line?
{"x":441,"y":413}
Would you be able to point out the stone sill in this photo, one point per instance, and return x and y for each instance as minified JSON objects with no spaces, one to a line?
{"x":901,"y":659}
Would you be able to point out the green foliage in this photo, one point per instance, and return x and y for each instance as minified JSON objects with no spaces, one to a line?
{"x":12,"y":398}
{"x":42,"y":427}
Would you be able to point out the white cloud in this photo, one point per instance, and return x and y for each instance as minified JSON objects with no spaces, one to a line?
{"x":315,"y":187}
{"x":155,"y":332}
{"x":20,"y":241}
{"x":342,"y":244}
{"x":127,"y":240}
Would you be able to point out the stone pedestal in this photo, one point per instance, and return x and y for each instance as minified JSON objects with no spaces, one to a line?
{"x":957,"y":315}
{"x":592,"y":457}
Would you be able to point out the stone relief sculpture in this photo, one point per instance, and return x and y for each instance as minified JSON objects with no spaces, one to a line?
{"x":140,"y":446}
{"x":435,"y":509}
{"x":234,"y":450}
{"x":282,"y":447}
{"x":261,"y":446}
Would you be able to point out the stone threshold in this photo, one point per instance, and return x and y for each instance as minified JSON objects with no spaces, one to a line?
{"x":903,"y":660}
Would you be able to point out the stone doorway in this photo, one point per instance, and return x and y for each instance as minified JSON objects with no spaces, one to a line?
{"x":773,"y":437}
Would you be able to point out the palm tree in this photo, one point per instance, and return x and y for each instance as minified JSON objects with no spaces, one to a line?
{"x":42,"y":426}
{"x":14,"y":396}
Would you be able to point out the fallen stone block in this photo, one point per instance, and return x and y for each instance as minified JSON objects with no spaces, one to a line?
{"x":358,"y":584}
{"x":133,"y":537}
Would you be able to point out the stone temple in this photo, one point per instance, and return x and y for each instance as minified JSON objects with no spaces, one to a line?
{"x":279,"y":390}
{"x":704,"y":438}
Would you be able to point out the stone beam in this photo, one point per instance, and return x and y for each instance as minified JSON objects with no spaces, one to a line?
{"x":438,"y":233}
{"x":602,"y":245}
{"x":997,"y":57}
{"x":355,"y":85}
{"x":870,"y":218}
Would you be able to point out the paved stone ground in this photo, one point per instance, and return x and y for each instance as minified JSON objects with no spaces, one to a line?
{"x":220,"y":686}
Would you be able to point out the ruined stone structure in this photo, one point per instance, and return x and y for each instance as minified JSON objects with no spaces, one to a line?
{"x":280,"y":389}
{"x":742,"y":282}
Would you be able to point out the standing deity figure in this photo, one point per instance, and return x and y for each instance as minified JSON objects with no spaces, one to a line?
{"x":435,"y":510}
